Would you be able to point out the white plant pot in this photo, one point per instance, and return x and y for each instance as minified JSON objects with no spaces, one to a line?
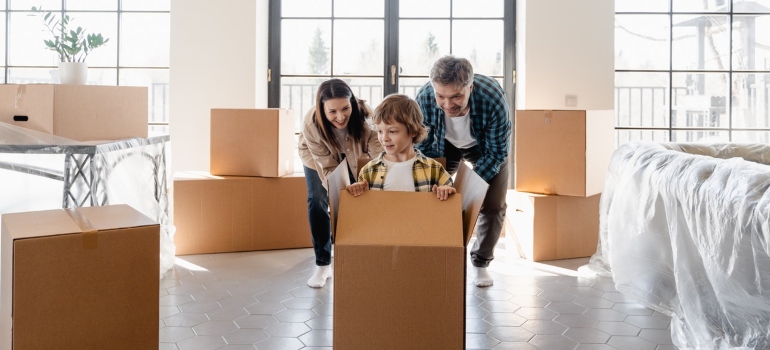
{"x":75,"y":73}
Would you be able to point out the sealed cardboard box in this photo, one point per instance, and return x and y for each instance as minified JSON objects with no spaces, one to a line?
{"x":84,"y":278}
{"x":563,"y":152}
{"x":217,"y":214}
{"x":78,"y":112}
{"x":399,"y":267}
{"x":548,"y":227}
{"x":252,"y":142}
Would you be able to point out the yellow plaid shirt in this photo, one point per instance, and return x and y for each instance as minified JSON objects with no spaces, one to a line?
{"x":426,"y":172}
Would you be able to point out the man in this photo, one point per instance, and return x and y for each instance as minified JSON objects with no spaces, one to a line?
{"x":467,"y":120}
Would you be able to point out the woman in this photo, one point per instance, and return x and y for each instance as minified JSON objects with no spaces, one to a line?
{"x":334,"y":129}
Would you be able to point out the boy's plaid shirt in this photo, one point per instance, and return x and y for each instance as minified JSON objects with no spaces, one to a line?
{"x":426,"y":172}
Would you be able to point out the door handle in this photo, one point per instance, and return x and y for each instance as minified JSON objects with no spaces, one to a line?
{"x":392,"y":74}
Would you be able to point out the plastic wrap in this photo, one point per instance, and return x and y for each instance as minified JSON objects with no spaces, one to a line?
{"x":685,"y":230}
{"x":39,"y":171}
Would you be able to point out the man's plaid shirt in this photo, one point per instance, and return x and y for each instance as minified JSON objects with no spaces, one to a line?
{"x":490,"y":124}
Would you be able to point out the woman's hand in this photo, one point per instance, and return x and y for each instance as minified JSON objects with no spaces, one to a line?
{"x":358,"y":188}
{"x":443,"y":192}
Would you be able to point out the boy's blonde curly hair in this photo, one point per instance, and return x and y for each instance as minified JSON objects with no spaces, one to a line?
{"x":399,"y":108}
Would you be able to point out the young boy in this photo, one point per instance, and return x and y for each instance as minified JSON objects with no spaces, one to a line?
{"x":401,"y":167}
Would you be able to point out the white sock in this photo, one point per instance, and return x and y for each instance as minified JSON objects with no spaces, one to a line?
{"x":483,"y":279}
{"x":322,"y":273}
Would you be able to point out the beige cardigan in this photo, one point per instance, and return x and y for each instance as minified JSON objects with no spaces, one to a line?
{"x":320,"y":155}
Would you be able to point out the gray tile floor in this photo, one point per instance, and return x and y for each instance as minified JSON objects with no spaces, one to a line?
{"x":259,"y":300}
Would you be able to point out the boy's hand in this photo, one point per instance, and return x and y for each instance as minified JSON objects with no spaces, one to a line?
{"x":358,"y":188}
{"x":443,"y":192}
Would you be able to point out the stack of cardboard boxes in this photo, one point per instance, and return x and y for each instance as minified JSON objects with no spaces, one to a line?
{"x":561,"y":159}
{"x":250,"y":199}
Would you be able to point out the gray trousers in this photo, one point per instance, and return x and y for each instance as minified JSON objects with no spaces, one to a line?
{"x":492,"y":214}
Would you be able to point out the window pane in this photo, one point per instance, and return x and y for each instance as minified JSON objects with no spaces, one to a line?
{"x":358,"y":47}
{"x":701,"y":42}
{"x":422,"y":42}
{"x":642,"y":42}
{"x":751,"y":100}
{"x":2,"y":40}
{"x":368,"y":89}
{"x":410,"y":86}
{"x":424,"y":8}
{"x":641,"y":6}
{"x":701,"y":136}
{"x":358,"y":8}
{"x":145,"y":40}
{"x":751,"y":6}
{"x":146,"y":5}
{"x":33,"y":76}
{"x":25,"y":41}
{"x":156,"y":81}
{"x":700,"y":100}
{"x":626,"y":136}
{"x":701,"y":6}
{"x":751,"y":136}
{"x":306,"y":8}
{"x":92,"y":5}
{"x":305,"y":46}
{"x":299,"y":95}
{"x":481,"y":42}
{"x":641,"y":99}
{"x":154,"y":130}
{"x":102,"y":76}
{"x":477,"y":8}
{"x":751,"y":49}
{"x":48,"y":5}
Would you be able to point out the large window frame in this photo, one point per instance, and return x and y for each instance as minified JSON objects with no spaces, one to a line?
{"x":685,"y":105}
{"x":390,"y":77}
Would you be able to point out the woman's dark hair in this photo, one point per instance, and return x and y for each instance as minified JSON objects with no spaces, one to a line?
{"x":336,"y":88}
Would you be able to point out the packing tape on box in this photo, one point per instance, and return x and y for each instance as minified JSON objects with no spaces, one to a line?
{"x":90,"y":234}
{"x":18,"y":101}
{"x":548,"y":116}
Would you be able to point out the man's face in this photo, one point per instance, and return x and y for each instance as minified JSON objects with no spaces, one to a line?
{"x":453,"y":100}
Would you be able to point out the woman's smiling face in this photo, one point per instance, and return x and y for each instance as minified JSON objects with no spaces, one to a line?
{"x":338,"y":111}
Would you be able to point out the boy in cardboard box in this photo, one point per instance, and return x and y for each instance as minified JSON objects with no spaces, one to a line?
{"x":401,"y":167}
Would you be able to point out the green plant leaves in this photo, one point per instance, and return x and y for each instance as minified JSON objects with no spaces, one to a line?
{"x":70,"y":45}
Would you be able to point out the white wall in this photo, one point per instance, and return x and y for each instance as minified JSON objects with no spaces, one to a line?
{"x":218,"y":60}
{"x":565,"y":47}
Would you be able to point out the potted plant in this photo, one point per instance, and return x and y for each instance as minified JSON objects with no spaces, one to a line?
{"x":72,"y":46}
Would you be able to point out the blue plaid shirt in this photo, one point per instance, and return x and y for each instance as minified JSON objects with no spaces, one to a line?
{"x":490,"y":124}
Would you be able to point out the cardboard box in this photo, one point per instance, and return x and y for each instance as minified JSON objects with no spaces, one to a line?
{"x":252,"y":142}
{"x":215,"y":214}
{"x":563,"y":152}
{"x":548,"y":227}
{"x":399,"y":267}
{"x":84,"y":278}
{"x":77,"y":112}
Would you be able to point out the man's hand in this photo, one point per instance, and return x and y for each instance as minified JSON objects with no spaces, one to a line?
{"x":443,"y":192}
{"x":358,"y":188}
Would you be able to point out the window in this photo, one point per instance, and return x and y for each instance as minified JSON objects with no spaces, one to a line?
{"x":692,"y":71}
{"x":136,"y":55}
{"x":382,"y":47}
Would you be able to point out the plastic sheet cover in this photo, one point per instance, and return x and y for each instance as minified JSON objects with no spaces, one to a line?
{"x":39,"y":171}
{"x":685,"y":230}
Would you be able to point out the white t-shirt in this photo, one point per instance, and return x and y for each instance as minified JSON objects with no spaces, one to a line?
{"x":341,"y":134}
{"x":399,"y":176}
{"x":458,"y":131}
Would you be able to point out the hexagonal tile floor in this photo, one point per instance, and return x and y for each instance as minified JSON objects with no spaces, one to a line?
{"x":260,"y":300}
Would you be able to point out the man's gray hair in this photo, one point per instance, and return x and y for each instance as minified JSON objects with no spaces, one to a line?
{"x":450,"y":70}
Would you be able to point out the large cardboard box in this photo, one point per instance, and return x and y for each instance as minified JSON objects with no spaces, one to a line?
{"x":252,"y":142}
{"x":548,"y":227}
{"x":217,"y":214}
{"x":78,"y":112}
{"x":83,"y":278}
{"x":563,"y":152}
{"x":399,"y":267}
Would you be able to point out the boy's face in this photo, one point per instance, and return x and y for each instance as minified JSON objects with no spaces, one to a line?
{"x":453,"y":100}
{"x":396,"y":141}
{"x":338,"y":111}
